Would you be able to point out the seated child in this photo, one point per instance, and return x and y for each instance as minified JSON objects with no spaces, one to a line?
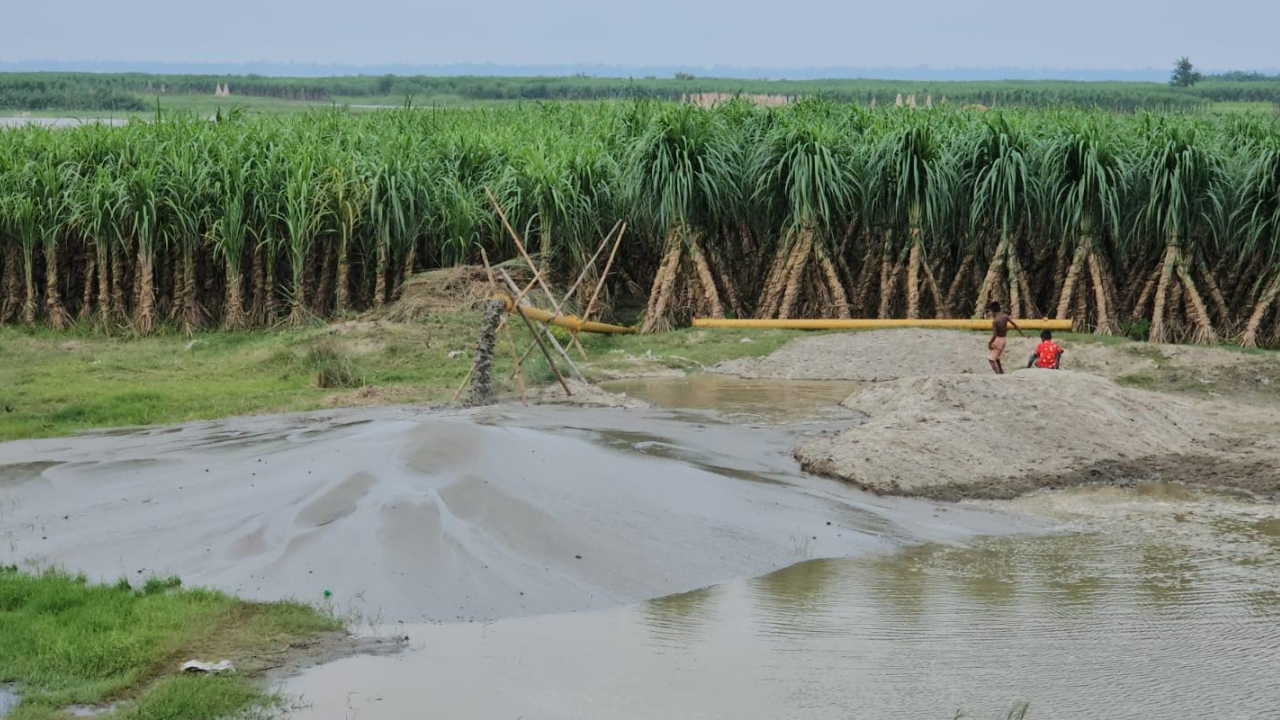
{"x":1048,"y":353}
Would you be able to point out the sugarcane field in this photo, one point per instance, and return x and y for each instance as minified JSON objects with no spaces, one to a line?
{"x":761,"y":387}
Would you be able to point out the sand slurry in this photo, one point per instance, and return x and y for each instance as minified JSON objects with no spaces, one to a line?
{"x":390,"y":514}
{"x":954,"y":436}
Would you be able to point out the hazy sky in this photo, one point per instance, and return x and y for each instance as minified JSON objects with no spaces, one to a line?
{"x":778,"y":33}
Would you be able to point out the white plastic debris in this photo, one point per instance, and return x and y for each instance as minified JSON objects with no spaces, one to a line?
{"x":203,"y":667}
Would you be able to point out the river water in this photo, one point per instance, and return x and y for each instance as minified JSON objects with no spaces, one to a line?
{"x":514,"y":546}
{"x":1157,"y":601}
{"x":1175,"y":616}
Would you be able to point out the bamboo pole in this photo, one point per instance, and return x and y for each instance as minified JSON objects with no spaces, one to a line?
{"x":523,"y":253}
{"x":465,"y":379}
{"x":573,"y":337}
{"x":546,"y":329}
{"x":586,"y":314}
{"x":546,"y":354}
{"x":595,"y":293}
{"x":574,"y":329}
{"x":537,"y":338}
{"x":590,"y":263}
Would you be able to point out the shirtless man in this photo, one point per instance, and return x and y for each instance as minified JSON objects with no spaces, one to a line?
{"x":1000,"y":322}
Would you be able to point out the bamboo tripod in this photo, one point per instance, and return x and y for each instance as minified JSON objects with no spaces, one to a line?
{"x":541,"y":329}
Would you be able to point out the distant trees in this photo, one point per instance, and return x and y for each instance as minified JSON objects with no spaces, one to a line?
{"x":59,"y":91}
{"x":1184,"y":73}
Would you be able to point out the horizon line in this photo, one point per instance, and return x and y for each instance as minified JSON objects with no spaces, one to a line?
{"x":921,"y":72}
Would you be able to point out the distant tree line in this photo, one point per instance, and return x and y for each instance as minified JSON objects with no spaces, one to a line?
{"x":131,"y":91}
{"x":57,"y":91}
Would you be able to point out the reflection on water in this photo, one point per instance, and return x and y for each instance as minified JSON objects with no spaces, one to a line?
{"x":679,"y":618}
{"x":1155,"y":604}
{"x":744,"y":400}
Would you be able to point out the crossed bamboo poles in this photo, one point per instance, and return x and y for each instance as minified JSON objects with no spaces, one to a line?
{"x":517,"y":296}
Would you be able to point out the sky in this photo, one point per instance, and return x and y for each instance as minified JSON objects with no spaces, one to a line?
{"x":1085,"y":34}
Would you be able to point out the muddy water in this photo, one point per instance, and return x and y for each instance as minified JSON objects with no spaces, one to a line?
{"x":535,"y":535}
{"x":741,"y":399}
{"x":1152,"y":603}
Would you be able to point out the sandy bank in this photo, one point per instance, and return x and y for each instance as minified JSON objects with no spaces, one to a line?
{"x":954,"y":436}
{"x":443,"y":517}
{"x":892,"y":354}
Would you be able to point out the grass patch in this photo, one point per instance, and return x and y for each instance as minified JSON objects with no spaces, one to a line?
{"x":57,"y":383}
{"x":1141,"y":380}
{"x":1236,"y":107}
{"x":334,"y":366}
{"x":70,"y":642}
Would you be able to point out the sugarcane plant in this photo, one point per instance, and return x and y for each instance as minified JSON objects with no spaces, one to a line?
{"x":1181,"y":197}
{"x":1260,"y":211}
{"x":674,"y":187}
{"x":1083,"y":178}
{"x":1124,"y":223}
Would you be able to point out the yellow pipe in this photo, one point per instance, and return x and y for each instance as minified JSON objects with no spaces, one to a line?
{"x":799,"y":324}
{"x":568,"y":322}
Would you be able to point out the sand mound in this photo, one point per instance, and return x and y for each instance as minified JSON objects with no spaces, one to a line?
{"x":952,"y":436}
{"x":398,"y":514}
{"x":909,"y":352}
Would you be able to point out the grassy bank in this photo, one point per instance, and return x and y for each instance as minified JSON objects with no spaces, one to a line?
{"x":67,"y":642}
{"x":56,"y":383}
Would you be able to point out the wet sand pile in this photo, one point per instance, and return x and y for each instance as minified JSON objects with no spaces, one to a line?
{"x":400,"y":515}
{"x":910,"y":352}
{"x":955,"y":436}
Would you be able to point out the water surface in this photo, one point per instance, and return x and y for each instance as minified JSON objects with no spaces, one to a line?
{"x":744,"y":400}
{"x":1159,"y":602}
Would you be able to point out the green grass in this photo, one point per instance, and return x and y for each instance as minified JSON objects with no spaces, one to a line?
{"x":1243,"y":107}
{"x":70,"y":642}
{"x":57,"y":383}
{"x":1141,"y":380}
{"x":208,"y":104}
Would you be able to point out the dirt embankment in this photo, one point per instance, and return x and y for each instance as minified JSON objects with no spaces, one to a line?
{"x":940,"y":425}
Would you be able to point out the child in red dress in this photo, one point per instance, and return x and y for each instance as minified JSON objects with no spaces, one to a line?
{"x":1048,"y":354}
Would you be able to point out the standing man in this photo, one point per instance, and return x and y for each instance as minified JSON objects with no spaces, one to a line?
{"x":1000,"y":322}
